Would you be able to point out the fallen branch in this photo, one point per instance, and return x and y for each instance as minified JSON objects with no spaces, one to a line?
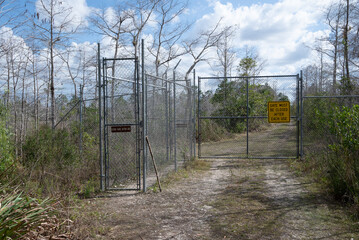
{"x":154,"y":163}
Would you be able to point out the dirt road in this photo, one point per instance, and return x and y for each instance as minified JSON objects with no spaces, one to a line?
{"x":233,"y":199}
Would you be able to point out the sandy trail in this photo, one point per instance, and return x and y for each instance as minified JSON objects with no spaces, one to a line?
{"x":234,"y":199}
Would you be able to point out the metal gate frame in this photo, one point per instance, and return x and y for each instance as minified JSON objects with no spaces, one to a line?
{"x":105,"y":124}
{"x":298,"y":117}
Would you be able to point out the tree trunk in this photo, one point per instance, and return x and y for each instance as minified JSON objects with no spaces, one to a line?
{"x":346,"y":52}
{"x":52,"y":87}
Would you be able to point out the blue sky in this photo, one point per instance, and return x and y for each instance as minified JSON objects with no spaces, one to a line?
{"x":280,"y":31}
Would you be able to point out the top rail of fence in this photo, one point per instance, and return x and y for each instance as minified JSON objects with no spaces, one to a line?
{"x":244,"y":77}
{"x":168,"y":80}
{"x":334,"y":96}
{"x":119,"y":59}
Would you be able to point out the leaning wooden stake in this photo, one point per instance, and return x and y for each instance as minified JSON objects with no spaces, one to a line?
{"x":154,"y":163}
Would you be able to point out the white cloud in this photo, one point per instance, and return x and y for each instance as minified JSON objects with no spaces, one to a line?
{"x":75,"y":11}
{"x":280,"y":32}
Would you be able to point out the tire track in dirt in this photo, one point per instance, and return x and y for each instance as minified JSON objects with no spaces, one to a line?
{"x":179,"y":212}
{"x":305,"y":213}
{"x":235,"y":199}
{"x":264,"y":199}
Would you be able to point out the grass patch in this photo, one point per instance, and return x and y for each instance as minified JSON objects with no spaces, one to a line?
{"x":190,"y":168}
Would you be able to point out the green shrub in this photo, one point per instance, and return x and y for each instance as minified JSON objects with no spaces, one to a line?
{"x":211,"y":131}
{"x":231,"y":99}
{"x":331,"y":134}
{"x":54,"y":160}
{"x":6,"y":148}
{"x":343,"y":163}
{"x":50,"y":147}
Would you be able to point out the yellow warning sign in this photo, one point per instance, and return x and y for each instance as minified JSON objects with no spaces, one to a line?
{"x":279,"y":112}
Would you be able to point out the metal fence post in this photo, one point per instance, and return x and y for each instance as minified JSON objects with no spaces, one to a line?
{"x":247,"y":117}
{"x":174,"y":115}
{"x":194,"y":113}
{"x":137,"y":121}
{"x":199,"y":117}
{"x":298,"y":118}
{"x":102,"y":187}
{"x":144,"y":121}
{"x":190,"y":131}
{"x":167,"y":122}
{"x":81,"y":118}
{"x":105,"y":130}
{"x":174,"y":120}
{"x":301,"y":113}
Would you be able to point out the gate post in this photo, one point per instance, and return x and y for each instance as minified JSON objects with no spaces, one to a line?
{"x":298,"y":117}
{"x":144,"y":120}
{"x":102,"y":187}
{"x":247,"y":117}
{"x":301,"y":113}
{"x":81,"y":101}
{"x":167,"y":120}
{"x":194,"y":113}
{"x":199,"y":117}
{"x":105,"y":130}
{"x":174,"y":119}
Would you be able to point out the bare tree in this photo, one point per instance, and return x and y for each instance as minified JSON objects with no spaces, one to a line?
{"x":88,"y":64}
{"x":342,"y":18}
{"x":165,"y":47}
{"x":112,"y":23}
{"x":34,"y":70}
{"x":11,"y":14}
{"x":333,"y":18}
{"x":198,"y":47}
{"x":346,"y":73}
{"x":225,"y":51}
{"x":73,"y":71}
{"x":140,"y":13}
{"x":55,"y":24}
{"x":16,"y":59}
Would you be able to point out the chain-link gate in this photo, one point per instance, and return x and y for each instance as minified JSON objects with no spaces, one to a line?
{"x":135,"y":106}
{"x":233,"y":121}
{"x":121,"y":124}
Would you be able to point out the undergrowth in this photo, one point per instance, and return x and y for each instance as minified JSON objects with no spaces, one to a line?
{"x":54,"y":164}
{"x":333,"y":159}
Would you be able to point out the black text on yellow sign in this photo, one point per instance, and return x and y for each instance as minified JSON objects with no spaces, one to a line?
{"x":279,"y":112}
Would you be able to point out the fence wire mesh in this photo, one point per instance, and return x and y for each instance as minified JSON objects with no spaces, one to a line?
{"x":170,"y":124}
{"x":320,"y":116}
{"x":158,"y":125}
{"x":233,"y":113}
{"x":121,"y":119}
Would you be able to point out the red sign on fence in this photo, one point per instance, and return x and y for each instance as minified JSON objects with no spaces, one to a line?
{"x":121,"y":129}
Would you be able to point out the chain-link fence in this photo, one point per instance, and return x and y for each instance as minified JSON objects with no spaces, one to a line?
{"x":135,"y":105}
{"x":320,"y":113}
{"x":233,"y":113}
{"x":169,"y":118}
{"x":128,"y":107}
{"x":121,"y":141}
